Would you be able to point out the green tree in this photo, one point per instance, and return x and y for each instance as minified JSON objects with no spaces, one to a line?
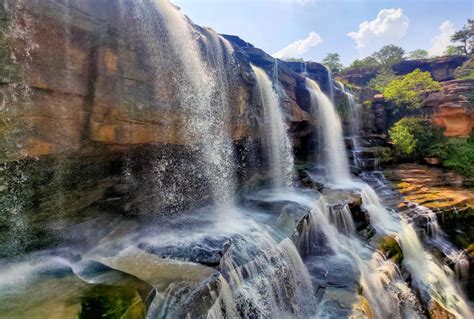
{"x":333,"y":62}
{"x":408,"y":90}
{"x":383,"y":78}
{"x":389,"y":55}
{"x":294,"y":60}
{"x":466,"y":37}
{"x":456,"y":154}
{"x":418,"y":54}
{"x":454,"y":50}
{"x":365,"y":62}
{"x":414,"y":137}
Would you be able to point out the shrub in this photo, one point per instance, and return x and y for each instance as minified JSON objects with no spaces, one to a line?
{"x":456,"y":154}
{"x":413,"y":137}
{"x":407,"y":90}
{"x":383,"y":78}
{"x":465,"y":71}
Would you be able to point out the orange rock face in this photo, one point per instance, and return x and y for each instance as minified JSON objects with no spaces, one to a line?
{"x":457,"y":122}
{"x":452,"y":109}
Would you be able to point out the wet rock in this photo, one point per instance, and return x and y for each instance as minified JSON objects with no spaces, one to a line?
{"x":391,"y":249}
{"x":207,"y":251}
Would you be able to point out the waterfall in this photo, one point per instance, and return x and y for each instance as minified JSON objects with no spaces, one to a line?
{"x":380,"y":279}
{"x":276,"y":137}
{"x":335,"y":157}
{"x":204,"y":101}
{"x":428,"y":275}
{"x":268,"y":279}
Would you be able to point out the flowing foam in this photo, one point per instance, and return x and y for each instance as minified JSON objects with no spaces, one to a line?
{"x":203,"y":95}
{"x":278,"y":143}
{"x":335,"y":157}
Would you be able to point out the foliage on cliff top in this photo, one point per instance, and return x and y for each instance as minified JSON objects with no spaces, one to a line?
{"x":383,"y":78}
{"x":466,"y":37}
{"x":384,"y":58}
{"x":412,"y":137}
{"x":453,"y":50}
{"x":294,"y":60}
{"x":407,"y":90}
{"x":333,"y":62}
{"x":465,"y":71}
{"x":368,"y":62}
{"x":418,"y":54}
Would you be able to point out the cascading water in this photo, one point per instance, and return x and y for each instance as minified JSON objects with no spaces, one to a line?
{"x":335,"y":157}
{"x":278,"y":143}
{"x":203,"y":97}
{"x":429,"y":277}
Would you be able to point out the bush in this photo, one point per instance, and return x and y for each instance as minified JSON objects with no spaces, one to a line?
{"x":364,"y":63}
{"x":465,"y":71}
{"x":456,"y":154}
{"x":408,"y":90}
{"x":413,"y":137}
{"x":383,"y":78}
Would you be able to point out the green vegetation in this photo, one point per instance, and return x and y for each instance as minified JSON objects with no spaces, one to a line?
{"x":412,"y":137}
{"x":453,"y":50}
{"x":415,"y":139}
{"x":363,"y":63}
{"x":104,"y":301}
{"x":389,"y":55}
{"x":392,"y":249}
{"x":407,"y":90}
{"x":383,"y":78}
{"x":294,"y":60}
{"x":465,"y":71}
{"x":466,"y":37}
{"x":418,"y":54}
{"x":333,"y":62}
{"x":456,"y":154}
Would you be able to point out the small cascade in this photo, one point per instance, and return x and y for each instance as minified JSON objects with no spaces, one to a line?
{"x":341,"y":217}
{"x":267,"y":278}
{"x":380,"y":279}
{"x":277,"y":141}
{"x":431,"y":278}
{"x":335,"y":156}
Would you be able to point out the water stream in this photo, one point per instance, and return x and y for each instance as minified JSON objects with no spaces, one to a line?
{"x":278,"y":143}
{"x":278,"y":251}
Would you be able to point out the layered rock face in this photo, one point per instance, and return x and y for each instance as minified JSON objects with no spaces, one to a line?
{"x":452,"y":109}
{"x":449,"y":109}
{"x":441,"y":69}
{"x":93,"y":113}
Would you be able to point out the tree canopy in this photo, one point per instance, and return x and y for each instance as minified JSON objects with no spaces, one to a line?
{"x":414,"y":136}
{"x":418,"y":54}
{"x":333,"y":62}
{"x":365,"y":62}
{"x":389,"y":55}
{"x":466,"y":37}
{"x":294,"y":60}
{"x":407,"y":90}
{"x":454,"y":50}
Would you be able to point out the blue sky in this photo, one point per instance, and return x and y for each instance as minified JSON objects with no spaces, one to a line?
{"x":322,"y":26}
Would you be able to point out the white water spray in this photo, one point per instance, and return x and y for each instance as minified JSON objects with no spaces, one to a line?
{"x":335,"y":157}
{"x":281,"y":155}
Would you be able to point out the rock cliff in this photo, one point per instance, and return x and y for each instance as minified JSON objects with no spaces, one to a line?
{"x":89,"y":108}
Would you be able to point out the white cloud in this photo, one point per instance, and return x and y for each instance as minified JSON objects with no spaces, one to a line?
{"x":442,"y":39}
{"x":389,"y":27}
{"x":298,"y":48}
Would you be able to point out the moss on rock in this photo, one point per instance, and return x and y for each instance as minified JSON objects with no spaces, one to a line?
{"x":391,"y":249}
